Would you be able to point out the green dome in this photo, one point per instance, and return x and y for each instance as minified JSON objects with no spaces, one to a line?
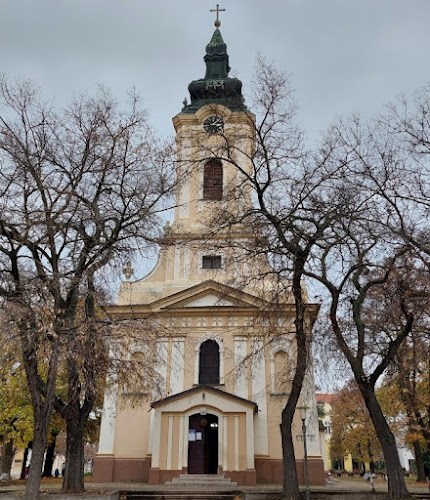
{"x":216,"y":87}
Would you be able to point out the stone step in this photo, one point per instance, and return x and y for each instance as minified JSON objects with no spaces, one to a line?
{"x":180,"y":495}
{"x":202,"y":479}
{"x":208,"y":477}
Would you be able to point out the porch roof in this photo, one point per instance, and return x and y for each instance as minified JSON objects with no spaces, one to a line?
{"x":204,"y":388}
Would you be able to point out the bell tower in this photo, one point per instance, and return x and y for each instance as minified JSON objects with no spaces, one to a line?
{"x":215,"y":137}
{"x":214,"y":134}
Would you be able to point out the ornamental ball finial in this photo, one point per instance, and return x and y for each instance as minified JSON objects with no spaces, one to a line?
{"x":217,"y":22}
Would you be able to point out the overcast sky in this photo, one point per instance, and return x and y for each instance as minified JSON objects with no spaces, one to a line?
{"x":344,"y":56}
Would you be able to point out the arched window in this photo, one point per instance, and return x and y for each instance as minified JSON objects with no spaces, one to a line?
{"x":209,"y":363}
{"x":212,"y":180}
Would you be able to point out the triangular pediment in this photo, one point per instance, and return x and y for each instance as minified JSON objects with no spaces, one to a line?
{"x":210,"y":300}
{"x":203,"y":395}
{"x":209,"y":294}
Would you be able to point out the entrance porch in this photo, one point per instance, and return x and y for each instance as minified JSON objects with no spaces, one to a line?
{"x":203,"y":431}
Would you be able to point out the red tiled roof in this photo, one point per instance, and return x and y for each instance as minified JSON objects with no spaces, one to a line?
{"x":325,"y":398}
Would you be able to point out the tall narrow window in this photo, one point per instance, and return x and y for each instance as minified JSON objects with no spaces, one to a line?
{"x":209,"y":363}
{"x":212,"y":180}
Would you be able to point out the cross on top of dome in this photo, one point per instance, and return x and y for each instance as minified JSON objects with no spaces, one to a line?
{"x":217,"y":22}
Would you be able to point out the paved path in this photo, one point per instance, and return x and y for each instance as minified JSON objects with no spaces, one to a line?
{"x":102,"y":491}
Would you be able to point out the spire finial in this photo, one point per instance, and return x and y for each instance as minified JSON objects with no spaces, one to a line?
{"x":217,"y":22}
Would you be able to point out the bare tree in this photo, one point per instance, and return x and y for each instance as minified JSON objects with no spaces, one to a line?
{"x":364,"y":255}
{"x":284,"y":222}
{"x":406,"y":125}
{"x":80,"y":190}
{"x":326,"y":216}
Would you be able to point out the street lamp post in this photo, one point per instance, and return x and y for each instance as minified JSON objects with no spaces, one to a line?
{"x":303,"y":418}
{"x":372,"y":471}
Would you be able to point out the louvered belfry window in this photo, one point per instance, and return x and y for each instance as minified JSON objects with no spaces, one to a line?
{"x":209,"y":363}
{"x":212,"y":180}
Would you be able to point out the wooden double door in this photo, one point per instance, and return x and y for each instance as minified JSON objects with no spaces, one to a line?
{"x":203,"y":444}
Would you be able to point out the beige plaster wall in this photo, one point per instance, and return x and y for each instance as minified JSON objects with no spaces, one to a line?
{"x":131,"y":431}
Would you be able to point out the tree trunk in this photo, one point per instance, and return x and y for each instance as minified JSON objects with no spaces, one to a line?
{"x":291,"y":484}
{"x":80,"y":404}
{"x":74,"y":474}
{"x":42,"y":399}
{"x":7,"y":459}
{"x":396,"y":481}
{"x":421,"y":476}
{"x":37,"y":456}
{"x":50,"y":457}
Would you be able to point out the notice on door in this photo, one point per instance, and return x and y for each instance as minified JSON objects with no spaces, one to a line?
{"x":192,"y":435}
{"x":198,"y":436}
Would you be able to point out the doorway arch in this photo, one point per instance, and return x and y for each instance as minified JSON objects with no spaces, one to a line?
{"x":203,"y":444}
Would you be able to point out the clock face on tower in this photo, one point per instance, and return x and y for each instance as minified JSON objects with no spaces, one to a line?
{"x":213,"y":125}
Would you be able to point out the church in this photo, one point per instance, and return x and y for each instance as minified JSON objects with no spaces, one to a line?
{"x":222,"y":346}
